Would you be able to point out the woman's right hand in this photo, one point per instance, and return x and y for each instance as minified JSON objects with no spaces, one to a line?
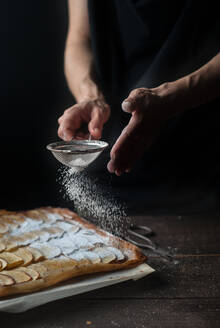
{"x":93,"y":113}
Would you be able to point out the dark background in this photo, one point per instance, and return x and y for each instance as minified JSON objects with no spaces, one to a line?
{"x":33,"y":94}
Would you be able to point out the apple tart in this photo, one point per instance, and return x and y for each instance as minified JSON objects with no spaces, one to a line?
{"x":41,"y":247}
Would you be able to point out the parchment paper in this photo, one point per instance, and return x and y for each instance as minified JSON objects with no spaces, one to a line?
{"x":77,"y":286}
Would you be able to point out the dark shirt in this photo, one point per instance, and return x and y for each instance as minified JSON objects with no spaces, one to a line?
{"x":146,"y":42}
{"x":143,"y":43}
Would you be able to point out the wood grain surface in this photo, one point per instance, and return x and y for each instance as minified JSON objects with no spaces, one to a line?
{"x":185,"y":293}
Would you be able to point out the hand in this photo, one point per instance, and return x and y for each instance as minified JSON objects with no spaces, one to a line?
{"x":93,"y":113}
{"x":148,"y":111}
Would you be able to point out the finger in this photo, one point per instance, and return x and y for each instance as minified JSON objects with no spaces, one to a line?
{"x":66,"y":135}
{"x":118,"y":173}
{"x":66,"y":131}
{"x":66,"y":111}
{"x":81,"y":135}
{"x":96,"y":124}
{"x":111,"y":166}
{"x":60,"y":119}
{"x":71,"y":122}
{"x":128,"y":148}
{"x":134,"y":101}
{"x":112,"y":169}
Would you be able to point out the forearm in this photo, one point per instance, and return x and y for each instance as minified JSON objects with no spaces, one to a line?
{"x":78,"y":71}
{"x":194,"y":89}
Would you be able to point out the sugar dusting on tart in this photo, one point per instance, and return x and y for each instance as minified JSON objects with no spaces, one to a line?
{"x":41,"y":247}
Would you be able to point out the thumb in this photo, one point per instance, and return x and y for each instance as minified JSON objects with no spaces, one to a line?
{"x":127,"y":105}
{"x":96,"y":124}
{"x":134,"y":101}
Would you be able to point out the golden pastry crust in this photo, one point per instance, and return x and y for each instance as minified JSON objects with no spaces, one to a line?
{"x":44,"y":271}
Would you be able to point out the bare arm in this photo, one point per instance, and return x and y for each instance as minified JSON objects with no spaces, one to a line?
{"x":151,"y":108}
{"x":194,"y":89}
{"x":91,"y":108}
{"x":78,"y":55}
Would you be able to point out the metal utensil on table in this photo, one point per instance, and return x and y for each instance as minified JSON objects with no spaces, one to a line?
{"x":144,"y":235}
{"x":77,"y":154}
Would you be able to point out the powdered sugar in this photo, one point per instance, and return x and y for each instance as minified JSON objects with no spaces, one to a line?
{"x":65,"y":244}
{"x":55,"y":238}
{"x":47,"y":250}
{"x":78,"y":164}
{"x":27,"y":226}
{"x":94,"y":201}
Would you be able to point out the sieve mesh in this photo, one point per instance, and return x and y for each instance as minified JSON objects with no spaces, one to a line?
{"x":77,"y":154}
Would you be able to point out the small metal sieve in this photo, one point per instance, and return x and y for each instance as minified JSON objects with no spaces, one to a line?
{"x":77,"y":154}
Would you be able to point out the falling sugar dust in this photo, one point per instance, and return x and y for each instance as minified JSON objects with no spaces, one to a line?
{"x":94,"y":201}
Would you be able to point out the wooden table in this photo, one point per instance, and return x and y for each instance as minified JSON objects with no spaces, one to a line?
{"x":186,"y":294}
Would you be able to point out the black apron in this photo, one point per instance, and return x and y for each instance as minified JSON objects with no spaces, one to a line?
{"x":143,"y":43}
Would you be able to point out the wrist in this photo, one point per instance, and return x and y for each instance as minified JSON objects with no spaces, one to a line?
{"x":88,"y":91}
{"x":175,"y":96}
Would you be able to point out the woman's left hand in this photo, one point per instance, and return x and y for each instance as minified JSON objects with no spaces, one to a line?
{"x":149,"y":112}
